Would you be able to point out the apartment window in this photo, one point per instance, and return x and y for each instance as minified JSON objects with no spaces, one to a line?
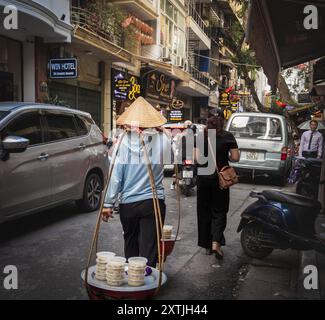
{"x":181,"y":22}
{"x":172,"y":28}
{"x":176,"y":16}
{"x":169,"y":9}
{"x":162,"y":5}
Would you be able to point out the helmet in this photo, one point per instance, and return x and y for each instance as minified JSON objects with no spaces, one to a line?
{"x":188,"y":123}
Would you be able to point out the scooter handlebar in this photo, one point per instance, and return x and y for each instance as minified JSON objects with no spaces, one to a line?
{"x":315,"y":160}
{"x":257,"y":195}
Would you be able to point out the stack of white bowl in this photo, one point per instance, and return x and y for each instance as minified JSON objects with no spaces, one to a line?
{"x":101,"y":262}
{"x":167,"y":232}
{"x":136,"y":271}
{"x":115,"y":271}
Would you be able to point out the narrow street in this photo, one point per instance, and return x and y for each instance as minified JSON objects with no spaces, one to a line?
{"x":50,"y":250}
{"x":232,"y":87}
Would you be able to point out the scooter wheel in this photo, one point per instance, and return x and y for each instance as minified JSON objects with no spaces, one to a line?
{"x":250,"y":243}
{"x":187,"y":192}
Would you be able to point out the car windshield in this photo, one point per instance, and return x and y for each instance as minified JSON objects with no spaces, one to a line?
{"x":260,"y":128}
{"x":3,"y":114}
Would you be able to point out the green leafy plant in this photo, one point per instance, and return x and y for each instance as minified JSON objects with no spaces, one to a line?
{"x":109,"y":18}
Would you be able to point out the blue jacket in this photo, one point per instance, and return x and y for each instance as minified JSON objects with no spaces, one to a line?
{"x":130,"y":179}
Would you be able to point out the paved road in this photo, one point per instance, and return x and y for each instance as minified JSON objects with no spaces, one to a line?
{"x":50,"y":250}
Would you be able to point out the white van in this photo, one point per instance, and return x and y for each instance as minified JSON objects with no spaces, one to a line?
{"x":265,"y":142}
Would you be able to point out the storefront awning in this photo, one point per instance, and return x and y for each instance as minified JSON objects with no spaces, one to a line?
{"x":166,"y":68}
{"x":193,"y":88}
{"x":277,"y":33}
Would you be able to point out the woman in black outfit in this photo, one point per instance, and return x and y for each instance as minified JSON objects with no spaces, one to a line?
{"x":213,"y":202}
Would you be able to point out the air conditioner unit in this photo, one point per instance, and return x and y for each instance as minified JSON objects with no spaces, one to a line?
{"x":165,"y":53}
{"x":186,"y":65}
{"x":179,"y":62}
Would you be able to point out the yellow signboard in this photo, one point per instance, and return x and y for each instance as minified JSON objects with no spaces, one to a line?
{"x":224,"y":100}
{"x":227,"y":113}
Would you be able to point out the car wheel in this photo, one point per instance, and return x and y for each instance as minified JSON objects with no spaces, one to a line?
{"x":92,"y":193}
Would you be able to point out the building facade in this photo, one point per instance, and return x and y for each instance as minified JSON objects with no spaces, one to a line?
{"x":20,"y":58}
{"x":175,"y":53}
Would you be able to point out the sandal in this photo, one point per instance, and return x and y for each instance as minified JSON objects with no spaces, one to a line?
{"x":216,"y":249}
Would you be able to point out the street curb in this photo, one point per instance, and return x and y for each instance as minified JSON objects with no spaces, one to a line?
{"x":307,"y":258}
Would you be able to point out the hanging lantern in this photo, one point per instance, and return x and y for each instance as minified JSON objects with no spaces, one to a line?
{"x":280,"y":104}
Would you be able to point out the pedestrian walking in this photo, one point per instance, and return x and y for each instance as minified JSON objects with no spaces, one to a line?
{"x":311,"y":144}
{"x":181,"y":150}
{"x":130,"y":180}
{"x":212,"y":201}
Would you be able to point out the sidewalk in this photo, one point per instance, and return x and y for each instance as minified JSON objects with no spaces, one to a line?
{"x":273,"y":278}
{"x":315,"y":259}
{"x":281,"y":276}
{"x":312,"y":257}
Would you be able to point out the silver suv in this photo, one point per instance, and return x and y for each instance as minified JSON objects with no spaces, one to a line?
{"x":49,"y":155}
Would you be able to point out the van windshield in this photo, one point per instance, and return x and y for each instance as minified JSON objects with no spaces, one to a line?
{"x":3,"y":114}
{"x":260,"y":128}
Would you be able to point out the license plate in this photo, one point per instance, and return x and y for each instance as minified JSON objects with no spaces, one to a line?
{"x":252,"y":156}
{"x":188,"y":174}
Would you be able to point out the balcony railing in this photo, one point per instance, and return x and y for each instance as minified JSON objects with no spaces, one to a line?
{"x":198,"y":19}
{"x":101,"y":27}
{"x":216,"y":21}
{"x":199,"y":76}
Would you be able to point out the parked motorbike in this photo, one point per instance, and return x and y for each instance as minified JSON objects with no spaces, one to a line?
{"x":188,"y":177}
{"x":308,"y":181}
{"x":279,"y":220}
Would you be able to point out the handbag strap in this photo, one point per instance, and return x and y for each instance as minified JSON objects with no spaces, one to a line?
{"x":213,"y":156}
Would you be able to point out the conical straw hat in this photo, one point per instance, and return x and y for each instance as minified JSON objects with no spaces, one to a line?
{"x":141,"y":113}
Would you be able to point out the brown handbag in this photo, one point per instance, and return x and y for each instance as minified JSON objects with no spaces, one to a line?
{"x":227,"y":175}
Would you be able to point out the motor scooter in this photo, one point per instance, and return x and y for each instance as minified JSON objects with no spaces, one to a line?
{"x":188,"y":180}
{"x":309,"y":176}
{"x":279,"y":220}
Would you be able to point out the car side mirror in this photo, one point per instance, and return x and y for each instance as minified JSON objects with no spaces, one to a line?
{"x":14,"y":144}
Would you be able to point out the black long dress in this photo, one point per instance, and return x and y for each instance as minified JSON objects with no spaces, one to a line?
{"x":212,"y":202}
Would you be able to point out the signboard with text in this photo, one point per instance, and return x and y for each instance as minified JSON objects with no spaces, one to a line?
{"x":234,"y":106}
{"x":125,"y":86}
{"x":160,"y":87}
{"x":63,"y":68}
{"x":224,"y":100}
{"x":176,"y":116}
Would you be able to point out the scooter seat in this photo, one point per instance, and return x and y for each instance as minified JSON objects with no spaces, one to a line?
{"x":292,"y":199}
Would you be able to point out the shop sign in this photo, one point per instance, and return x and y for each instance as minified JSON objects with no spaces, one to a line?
{"x":160,"y":87}
{"x":178,"y":104}
{"x":176,"y":116}
{"x":244,"y":93}
{"x":304,"y":98}
{"x":234,"y":106}
{"x":227,"y":113}
{"x":224,"y":100}
{"x":125,"y":87}
{"x":63,"y":68}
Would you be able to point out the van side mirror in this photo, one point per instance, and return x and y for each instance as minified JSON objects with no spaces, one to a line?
{"x":14,"y":144}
